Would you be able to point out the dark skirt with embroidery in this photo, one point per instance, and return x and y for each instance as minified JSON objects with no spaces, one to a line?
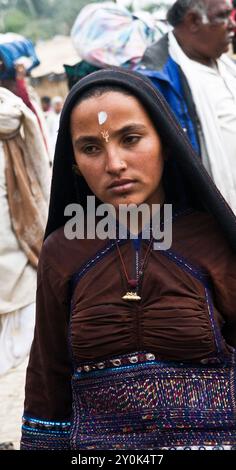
{"x":138,"y":402}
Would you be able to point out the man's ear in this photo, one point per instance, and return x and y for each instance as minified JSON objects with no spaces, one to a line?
{"x":193,"y":21}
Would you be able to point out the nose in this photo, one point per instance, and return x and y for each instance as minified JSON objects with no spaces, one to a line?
{"x":115,"y":160}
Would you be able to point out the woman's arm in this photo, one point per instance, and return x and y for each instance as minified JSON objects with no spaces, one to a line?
{"x":47,"y":410}
{"x":201,"y":241}
{"x":225,"y":295}
{"x":220,"y":263}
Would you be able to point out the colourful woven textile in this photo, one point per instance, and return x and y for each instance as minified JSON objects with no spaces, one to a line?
{"x":38,"y":434}
{"x":151,"y":404}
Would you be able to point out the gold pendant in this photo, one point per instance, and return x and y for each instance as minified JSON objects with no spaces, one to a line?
{"x":133,"y":296}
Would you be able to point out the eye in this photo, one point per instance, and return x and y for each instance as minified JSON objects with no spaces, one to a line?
{"x":131,"y":139}
{"x":222,"y":17}
{"x":90,"y":149}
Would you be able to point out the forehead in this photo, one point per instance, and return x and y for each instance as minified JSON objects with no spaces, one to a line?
{"x":215,"y":7}
{"x":119,"y":107}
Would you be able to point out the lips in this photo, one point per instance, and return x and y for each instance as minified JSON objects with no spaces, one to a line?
{"x":230,"y":37}
{"x":120,"y":183}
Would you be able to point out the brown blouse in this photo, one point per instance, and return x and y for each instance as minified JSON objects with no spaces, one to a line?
{"x":187,"y":309}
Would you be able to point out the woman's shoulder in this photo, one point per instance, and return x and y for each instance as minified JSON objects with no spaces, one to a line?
{"x":197,"y":225}
{"x":67,"y":255}
{"x":199,"y":236}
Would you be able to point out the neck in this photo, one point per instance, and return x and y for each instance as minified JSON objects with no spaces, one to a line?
{"x":136,"y":220}
{"x":189,"y":50}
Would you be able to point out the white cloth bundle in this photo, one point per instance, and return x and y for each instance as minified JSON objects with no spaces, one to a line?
{"x":109,"y":34}
{"x":15,"y":114}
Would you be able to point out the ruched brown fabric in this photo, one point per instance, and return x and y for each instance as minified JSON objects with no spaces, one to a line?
{"x":172,"y":319}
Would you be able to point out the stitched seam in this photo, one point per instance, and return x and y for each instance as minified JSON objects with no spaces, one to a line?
{"x":75,"y":278}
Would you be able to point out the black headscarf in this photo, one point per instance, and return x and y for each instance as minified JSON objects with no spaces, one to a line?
{"x":184,"y":172}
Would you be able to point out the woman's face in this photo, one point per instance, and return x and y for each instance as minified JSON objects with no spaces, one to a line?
{"x":117,"y":150}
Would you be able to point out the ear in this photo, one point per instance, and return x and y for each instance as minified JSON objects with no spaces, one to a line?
{"x":193,"y":21}
{"x":76,"y":170}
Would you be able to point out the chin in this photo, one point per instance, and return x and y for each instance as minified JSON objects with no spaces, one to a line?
{"x":225,"y":49}
{"x":127,"y":201}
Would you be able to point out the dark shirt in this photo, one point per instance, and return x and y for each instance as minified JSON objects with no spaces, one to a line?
{"x":186,"y":313}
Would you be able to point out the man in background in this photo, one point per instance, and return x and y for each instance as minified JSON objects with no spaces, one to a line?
{"x":46,"y":104}
{"x":233,"y":16}
{"x":53,"y":119}
{"x":190,"y":68}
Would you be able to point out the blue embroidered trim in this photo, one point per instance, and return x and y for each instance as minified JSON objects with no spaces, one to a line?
{"x":160,"y":364}
{"x":219,"y":340}
{"x":111,"y":246}
{"x":196,"y":272}
{"x":79,"y":375}
{"x":98,"y":257}
{"x":47,"y":422}
{"x":43,"y":431}
{"x":35,"y":425}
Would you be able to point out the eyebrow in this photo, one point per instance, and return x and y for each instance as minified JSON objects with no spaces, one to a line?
{"x":223,"y":10}
{"x":95,"y":139}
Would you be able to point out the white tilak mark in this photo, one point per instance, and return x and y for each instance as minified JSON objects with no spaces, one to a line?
{"x":102,"y":117}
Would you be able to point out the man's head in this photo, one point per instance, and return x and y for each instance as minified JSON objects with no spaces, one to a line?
{"x":46,"y":103}
{"x":203,"y":28}
{"x":57,"y":104}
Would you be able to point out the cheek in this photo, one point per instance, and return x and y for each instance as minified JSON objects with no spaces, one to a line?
{"x":150,"y":158}
{"x":86,"y":165}
{"x":92,"y":171}
{"x":219,"y":38}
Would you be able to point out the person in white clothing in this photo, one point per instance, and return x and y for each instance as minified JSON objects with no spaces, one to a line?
{"x":53,"y":120}
{"x":24,"y":193}
{"x":191,"y":68}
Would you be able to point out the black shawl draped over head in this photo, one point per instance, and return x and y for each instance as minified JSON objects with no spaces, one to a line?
{"x":185,"y":178}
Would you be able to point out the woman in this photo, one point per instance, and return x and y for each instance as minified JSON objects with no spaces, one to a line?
{"x":139,"y":343}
